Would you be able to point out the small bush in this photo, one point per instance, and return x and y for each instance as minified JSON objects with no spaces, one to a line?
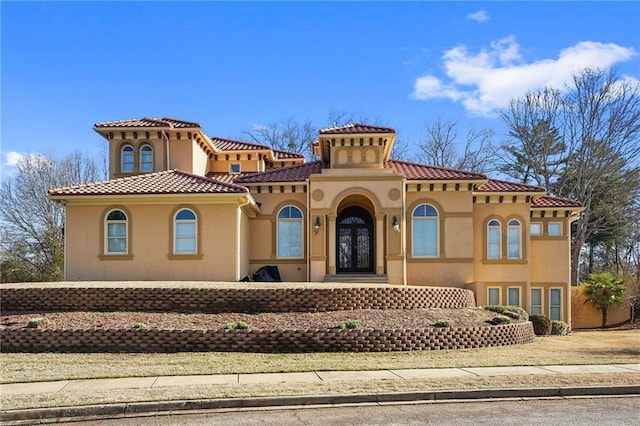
{"x":349,"y":324}
{"x":503,"y":309}
{"x":510,"y":314}
{"x":238,"y":325}
{"x":541,"y":324}
{"x":442,"y":323}
{"x":139,"y":325}
{"x":501,"y":320}
{"x":559,"y":328}
{"x":37,"y":322}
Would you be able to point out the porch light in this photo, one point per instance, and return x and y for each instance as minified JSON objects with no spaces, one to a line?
{"x":316,"y":225}
{"x":396,"y":224}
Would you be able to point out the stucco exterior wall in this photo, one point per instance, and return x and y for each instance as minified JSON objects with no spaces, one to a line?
{"x":586,"y":316}
{"x":151,"y":244}
{"x":200,"y":159}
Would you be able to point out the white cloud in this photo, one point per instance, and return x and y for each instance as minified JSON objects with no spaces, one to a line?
{"x":487,"y":80}
{"x":12,"y":158}
{"x":479,"y":16}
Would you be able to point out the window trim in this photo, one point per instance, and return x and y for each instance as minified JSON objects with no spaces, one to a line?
{"x":195,"y":233}
{"x":509,"y":243}
{"x":549,"y":229}
{"x":499,"y":289}
{"x":232,"y":172}
{"x":122,"y":158}
{"x":531,"y":305}
{"x":519,"y":295}
{"x":560,"y":307}
{"x":436,"y":219}
{"x":540,"y":227}
{"x":301,"y":223}
{"x":499,"y":242}
{"x":106,"y":237}
{"x":141,"y":158}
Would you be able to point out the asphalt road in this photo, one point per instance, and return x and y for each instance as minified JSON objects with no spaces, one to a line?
{"x":571,"y":411}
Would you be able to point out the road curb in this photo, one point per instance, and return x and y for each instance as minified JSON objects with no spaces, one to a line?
{"x":134,"y":409}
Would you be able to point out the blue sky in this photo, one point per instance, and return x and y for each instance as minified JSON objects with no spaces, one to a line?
{"x":230,"y":66}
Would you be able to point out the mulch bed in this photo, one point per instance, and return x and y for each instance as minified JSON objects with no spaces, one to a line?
{"x":370,"y":319}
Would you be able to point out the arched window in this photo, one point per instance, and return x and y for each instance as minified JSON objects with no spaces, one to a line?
{"x":424,"y":223}
{"x":290,"y":227}
{"x":116,"y":233}
{"x":513,"y":239}
{"x":146,"y":158}
{"x":185,"y":230}
{"x":126,"y":159}
{"x":493,"y":239}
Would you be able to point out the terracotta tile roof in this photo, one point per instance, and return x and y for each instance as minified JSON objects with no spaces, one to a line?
{"x":495,"y":185}
{"x":297,"y":173}
{"x":149,"y":122}
{"x":282,"y":155}
{"x":232,"y":145}
{"x":227,"y":177}
{"x":167,"y":182}
{"x":548,"y":201}
{"x":415,"y":171}
{"x":356,"y":128}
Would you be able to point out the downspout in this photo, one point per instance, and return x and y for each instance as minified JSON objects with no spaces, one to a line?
{"x":64,"y":242}
{"x":166,"y":143}
{"x":403,"y":237}
{"x":239,"y":236}
{"x":309,"y":226}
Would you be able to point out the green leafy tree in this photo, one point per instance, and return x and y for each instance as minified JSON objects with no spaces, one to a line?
{"x":603,"y":291}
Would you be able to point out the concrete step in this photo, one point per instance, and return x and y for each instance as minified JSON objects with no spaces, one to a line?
{"x":357,"y":278}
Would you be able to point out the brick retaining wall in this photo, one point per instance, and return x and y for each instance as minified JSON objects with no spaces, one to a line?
{"x":327,"y":340}
{"x":216,"y":300}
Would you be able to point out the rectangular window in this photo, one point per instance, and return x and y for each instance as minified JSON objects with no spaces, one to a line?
{"x":290,"y":238}
{"x":536,"y":301}
{"x":555,"y":304}
{"x":513,"y":242}
{"x":425,"y":237}
{"x":513,"y":296}
{"x":493,"y":244}
{"x":117,"y":238}
{"x":555,"y":228}
{"x":535,"y":229}
{"x":234,"y":168}
{"x":185,"y":237}
{"x":493,"y":296}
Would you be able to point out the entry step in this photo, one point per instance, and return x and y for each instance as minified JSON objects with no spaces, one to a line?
{"x":357,"y":278}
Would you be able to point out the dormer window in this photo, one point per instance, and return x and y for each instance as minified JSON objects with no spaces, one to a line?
{"x":126,"y":159}
{"x":234,"y":168}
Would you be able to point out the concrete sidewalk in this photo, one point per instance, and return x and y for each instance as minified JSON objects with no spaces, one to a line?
{"x":305,"y":377}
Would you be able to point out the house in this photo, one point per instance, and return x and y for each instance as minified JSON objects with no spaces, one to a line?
{"x":181,"y":205}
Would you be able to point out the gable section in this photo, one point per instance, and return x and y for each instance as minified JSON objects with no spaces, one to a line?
{"x":356,"y":128}
{"x":148,"y":122}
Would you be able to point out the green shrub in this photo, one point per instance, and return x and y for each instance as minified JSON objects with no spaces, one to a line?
{"x":510,"y":314}
{"x":501,"y":320}
{"x":541,"y":324}
{"x":139,"y":325}
{"x":559,"y":328}
{"x":238,"y":325}
{"x":37,"y":322}
{"x":503,"y":309}
{"x":349,"y":324}
{"x":442,"y":323}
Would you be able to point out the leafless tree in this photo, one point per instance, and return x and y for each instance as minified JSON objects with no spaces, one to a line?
{"x":440,"y":148}
{"x":285,"y":135}
{"x":31,"y":241}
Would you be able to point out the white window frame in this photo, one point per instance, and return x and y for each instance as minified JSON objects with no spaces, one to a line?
{"x":554,"y":234}
{"x":519,"y":295}
{"x":108,"y":222}
{"x":559,"y":307}
{"x":177,"y":221}
{"x":510,"y":228}
{"x":144,"y":163}
{"x":541,"y":305}
{"x":414,"y":220}
{"x":497,"y":228}
{"x":234,"y":172}
{"x":129,"y":149}
{"x":535,"y":229}
{"x":289,"y":221}
{"x":499,"y":290}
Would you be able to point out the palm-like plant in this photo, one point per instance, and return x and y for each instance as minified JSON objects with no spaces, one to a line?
{"x":603,"y":291}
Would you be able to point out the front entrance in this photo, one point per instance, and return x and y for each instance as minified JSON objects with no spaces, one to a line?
{"x":354,"y":242}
